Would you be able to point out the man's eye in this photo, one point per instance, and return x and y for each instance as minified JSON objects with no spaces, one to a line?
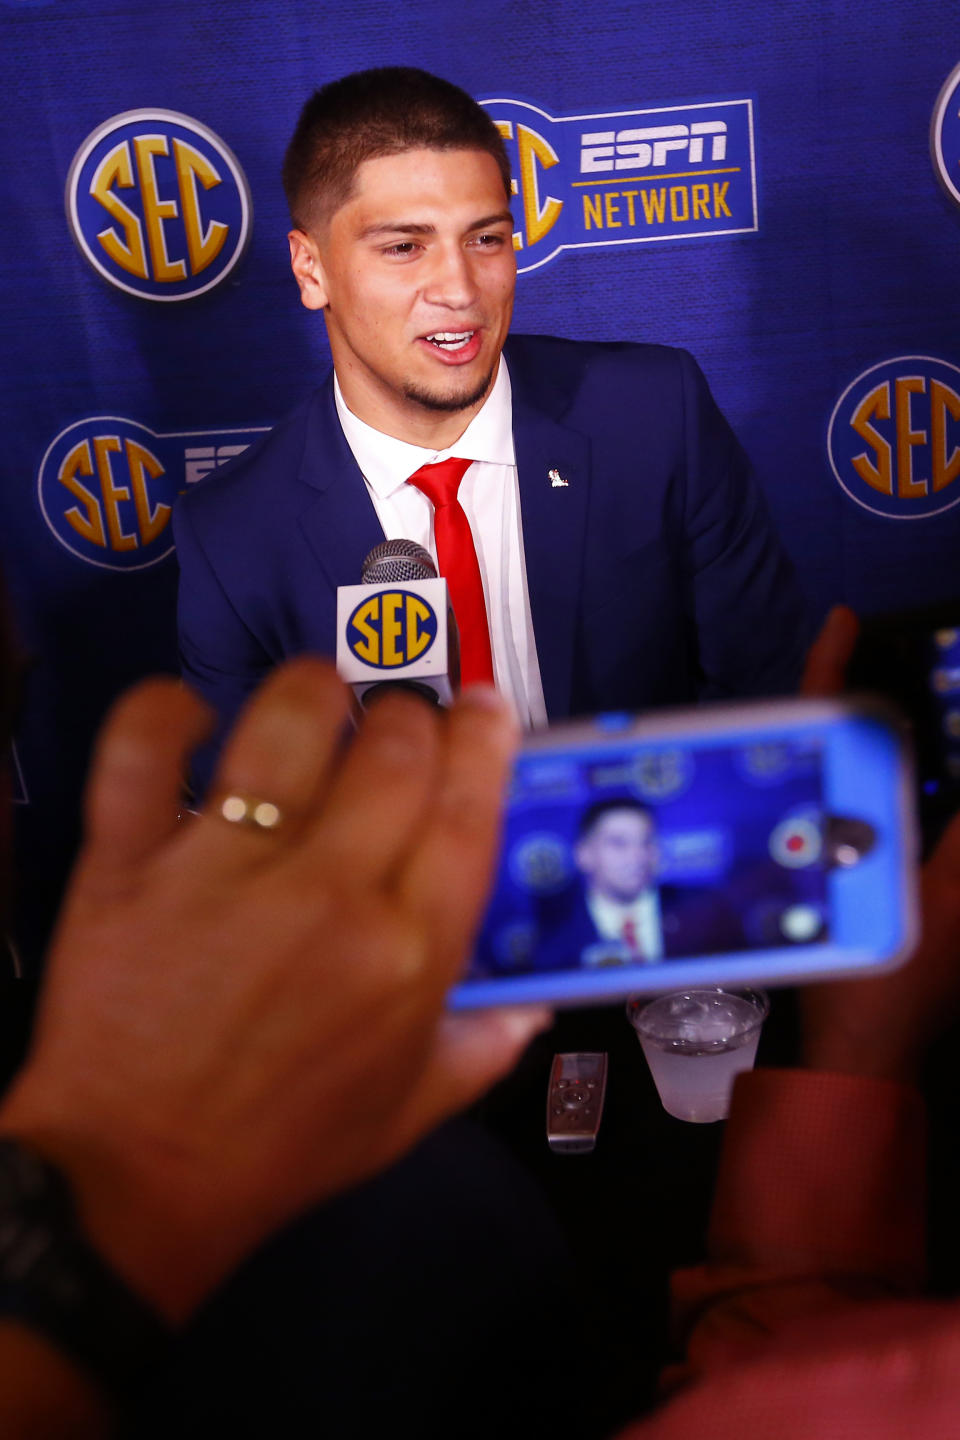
{"x":402,"y":248}
{"x":489,"y":241}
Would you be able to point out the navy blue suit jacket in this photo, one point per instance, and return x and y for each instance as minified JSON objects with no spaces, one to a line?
{"x":695,"y":920}
{"x":654,"y":574}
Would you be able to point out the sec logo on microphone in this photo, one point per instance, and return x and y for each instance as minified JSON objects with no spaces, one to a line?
{"x":158,"y":205}
{"x":391,"y":629}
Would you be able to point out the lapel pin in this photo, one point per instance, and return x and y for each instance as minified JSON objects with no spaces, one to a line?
{"x":556,"y":479}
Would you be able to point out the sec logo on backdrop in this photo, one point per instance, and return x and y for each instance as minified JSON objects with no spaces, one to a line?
{"x":158,"y":205}
{"x":107,"y":485}
{"x":540,"y":863}
{"x":894,"y":437}
{"x":945,"y":136}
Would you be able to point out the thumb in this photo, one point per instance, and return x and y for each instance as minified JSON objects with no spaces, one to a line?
{"x":471,"y":1052}
{"x":825,"y":670}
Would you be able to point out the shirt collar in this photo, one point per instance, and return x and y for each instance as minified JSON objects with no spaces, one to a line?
{"x":609,"y":914}
{"x":386,"y":463}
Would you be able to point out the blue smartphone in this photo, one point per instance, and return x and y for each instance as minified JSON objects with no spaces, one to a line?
{"x":766,"y":843}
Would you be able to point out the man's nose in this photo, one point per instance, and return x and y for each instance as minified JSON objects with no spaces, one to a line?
{"x":451,"y":280}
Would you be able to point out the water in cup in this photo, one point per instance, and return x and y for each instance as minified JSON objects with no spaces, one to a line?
{"x":695,"y":1043}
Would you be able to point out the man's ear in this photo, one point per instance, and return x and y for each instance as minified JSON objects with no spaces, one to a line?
{"x":307,"y":270}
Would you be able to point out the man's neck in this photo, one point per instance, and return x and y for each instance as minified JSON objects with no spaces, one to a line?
{"x":415,"y":424}
{"x":622,"y":902}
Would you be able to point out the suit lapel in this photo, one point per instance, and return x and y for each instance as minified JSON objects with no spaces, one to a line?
{"x":338,"y":520}
{"x":341,"y":527}
{"x":554,"y":520}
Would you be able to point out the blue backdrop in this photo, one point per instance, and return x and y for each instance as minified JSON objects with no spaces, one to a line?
{"x":777,"y":190}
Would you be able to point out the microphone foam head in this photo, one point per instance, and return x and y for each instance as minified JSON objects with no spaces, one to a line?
{"x":394,"y":561}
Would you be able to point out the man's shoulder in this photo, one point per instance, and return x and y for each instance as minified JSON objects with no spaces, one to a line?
{"x":582,"y":356}
{"x":556,"y":373}
{"x":266,"y":467}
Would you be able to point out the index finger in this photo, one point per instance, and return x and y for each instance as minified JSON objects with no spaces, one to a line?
{"x":136,"y":775}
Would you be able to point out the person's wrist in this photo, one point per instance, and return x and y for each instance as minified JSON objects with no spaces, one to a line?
{"x":162,"y":1239}
{"x":59,"y":1287}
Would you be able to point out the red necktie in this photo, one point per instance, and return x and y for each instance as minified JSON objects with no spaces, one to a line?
{"x":457,"y":557}
{"x":630,"y":938}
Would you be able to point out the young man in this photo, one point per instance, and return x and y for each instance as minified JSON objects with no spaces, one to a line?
{"x":606,"y":548}
{"x":618,"y":856}
{"x":621,"y":914}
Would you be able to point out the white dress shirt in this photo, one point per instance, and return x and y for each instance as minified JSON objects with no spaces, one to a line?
{"x":490,"y":497}
{"x":610,"y":917}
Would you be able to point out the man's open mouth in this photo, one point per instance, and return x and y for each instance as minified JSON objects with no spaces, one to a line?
{"x":450,"y":339}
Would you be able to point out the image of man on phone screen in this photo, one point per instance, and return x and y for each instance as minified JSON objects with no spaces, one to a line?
{"x":618,"y":912}
{"x":618,"y":856}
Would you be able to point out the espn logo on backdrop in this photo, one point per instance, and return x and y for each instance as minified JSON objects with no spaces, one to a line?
{"x":627,"y":177}
{"x":158,"y":205}
{"x":894,"y":437}
{"x":107,"y":485}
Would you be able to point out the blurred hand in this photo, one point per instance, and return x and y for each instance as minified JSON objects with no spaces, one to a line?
{"x":237,"y":1023}
{"x":825,"y":671}
{"x":882,"y":1026}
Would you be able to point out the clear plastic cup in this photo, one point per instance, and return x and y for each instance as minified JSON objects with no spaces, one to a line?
{"x":696,"y":1042}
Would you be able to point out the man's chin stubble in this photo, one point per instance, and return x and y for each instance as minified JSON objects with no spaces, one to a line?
{"x":449,"y":404}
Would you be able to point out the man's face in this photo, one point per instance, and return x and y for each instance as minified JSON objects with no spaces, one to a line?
{"x":619,"y":855}
{"x":415,"y":275}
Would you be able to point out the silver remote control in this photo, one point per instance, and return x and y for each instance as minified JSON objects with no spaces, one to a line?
{"x":575,"y":1094}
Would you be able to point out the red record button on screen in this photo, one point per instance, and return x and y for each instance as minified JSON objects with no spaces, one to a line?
{"x":796,"y":842}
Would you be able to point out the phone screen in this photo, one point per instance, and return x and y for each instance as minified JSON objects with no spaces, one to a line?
{"x":751,"y":845}
{"x":614,"y":859}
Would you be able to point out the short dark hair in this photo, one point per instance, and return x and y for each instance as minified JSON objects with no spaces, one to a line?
{"x":373,"y":113}
{"x":600,"y":808}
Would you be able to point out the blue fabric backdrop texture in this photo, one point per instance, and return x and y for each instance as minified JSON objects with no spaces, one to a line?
{"x":777,"y":190}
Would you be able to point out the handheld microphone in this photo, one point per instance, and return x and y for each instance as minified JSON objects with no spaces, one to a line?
{"x":397,"y":628}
